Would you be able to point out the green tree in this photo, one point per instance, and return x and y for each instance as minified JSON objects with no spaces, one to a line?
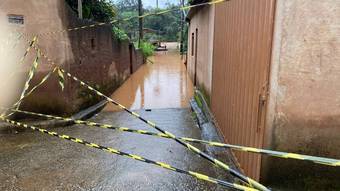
{"x":97,"y":10}
{"x":167,"y":24}
{"x":127,"y":9}
{"x":165,"y":27}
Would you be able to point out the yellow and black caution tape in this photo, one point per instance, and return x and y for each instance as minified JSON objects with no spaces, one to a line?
{"x":61,"y":79}
{"x":22,"y":59}
{"x":43,"y":80}
{"x":133,"y":17}
{"x":32,"y":43}
{"x":32,"y":71}
{"x":318,"y":160}
{"x":49,"y":61}
{"x":132,"y":156}
{"x":285,"y":155}
{"x":28,"y":49}
{"x":29,"y":79}
{"x":214,"y":161}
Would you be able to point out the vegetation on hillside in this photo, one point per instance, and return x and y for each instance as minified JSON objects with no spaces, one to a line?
{"x":165,"y":27}
{"x":168,"y":26}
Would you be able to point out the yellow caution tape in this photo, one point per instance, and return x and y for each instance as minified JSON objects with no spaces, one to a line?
{"x":61,"y":79}
{"x":22,"y":59}
{"x":218,"y":163}
{"x":29,"y":78}
{"x":130,"y":18}
{"x":43,"y":80}
{"x":132,"y":156}
{"x":318,"y":160}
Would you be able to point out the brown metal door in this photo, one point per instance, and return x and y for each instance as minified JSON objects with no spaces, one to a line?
{"x":242,"y":57}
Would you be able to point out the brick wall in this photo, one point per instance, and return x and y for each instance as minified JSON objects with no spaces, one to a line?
{"x":93,"y":55}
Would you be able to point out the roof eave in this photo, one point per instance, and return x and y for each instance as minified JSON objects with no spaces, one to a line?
{"x":194,"y":10}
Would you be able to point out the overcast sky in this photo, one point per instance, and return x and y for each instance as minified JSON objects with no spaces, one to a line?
{"x":152,"y":3}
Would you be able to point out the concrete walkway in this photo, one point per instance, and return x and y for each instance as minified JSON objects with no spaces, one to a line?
{"x":33,"y":161}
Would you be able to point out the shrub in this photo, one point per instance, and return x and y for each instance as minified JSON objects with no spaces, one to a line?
{"x":119,"y":33}
{"x":147,"y":49}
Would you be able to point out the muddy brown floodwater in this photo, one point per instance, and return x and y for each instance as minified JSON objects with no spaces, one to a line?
{"x":32,"y":161}
{"x":161,"y":84}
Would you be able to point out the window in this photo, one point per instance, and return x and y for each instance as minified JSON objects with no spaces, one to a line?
{"x":16,"y":19}
{"x":192,"y":44}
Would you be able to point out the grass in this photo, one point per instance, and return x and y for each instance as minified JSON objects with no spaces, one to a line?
{"x":198,"y":101}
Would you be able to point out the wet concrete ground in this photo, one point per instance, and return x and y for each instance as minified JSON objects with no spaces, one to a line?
{"x":34,"y":161}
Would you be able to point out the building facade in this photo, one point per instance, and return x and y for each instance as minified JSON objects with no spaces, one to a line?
{"x":273,"y":82}
{"x":201,"y":38}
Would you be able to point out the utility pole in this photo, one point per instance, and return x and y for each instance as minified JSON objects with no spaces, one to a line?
{"x":182,"y":29}
{"x":80,"y":9}
{"x":158,"y":32}
{"x":140,"y":13}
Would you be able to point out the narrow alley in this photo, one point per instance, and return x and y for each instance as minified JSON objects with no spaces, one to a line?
{"x":31,"y":161}
{"x":164,"y":83}
{"x":188,"y":95}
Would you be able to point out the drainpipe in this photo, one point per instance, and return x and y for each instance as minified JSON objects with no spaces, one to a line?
{"x":140,"y":13}
{"x":182,"y":30}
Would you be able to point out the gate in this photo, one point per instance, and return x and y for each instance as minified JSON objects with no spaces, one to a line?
{"x":242,"y":54}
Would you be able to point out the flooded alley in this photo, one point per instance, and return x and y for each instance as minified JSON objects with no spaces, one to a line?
{"x":159,"y":92}
{"x":189,"y":95}
{"x":161,"y":83}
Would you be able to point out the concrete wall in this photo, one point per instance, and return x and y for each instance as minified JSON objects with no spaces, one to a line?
{"x":203,"y":20}
{"x":93,"y":55}
{"x":304,"y":109}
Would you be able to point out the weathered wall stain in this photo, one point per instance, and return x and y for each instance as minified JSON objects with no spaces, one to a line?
{"x":305,"y":94}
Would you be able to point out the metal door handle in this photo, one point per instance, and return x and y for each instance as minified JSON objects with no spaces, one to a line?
{"x":261,"y":104}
